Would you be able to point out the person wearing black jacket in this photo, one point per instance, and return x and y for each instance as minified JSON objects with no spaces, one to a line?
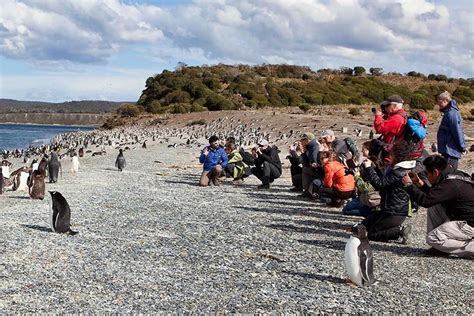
{"x":310,"y":158}
{"x":295,"y":156}
{"x":386,"y":224}
{"x":450,"y":203}
{"x":267,"y":163}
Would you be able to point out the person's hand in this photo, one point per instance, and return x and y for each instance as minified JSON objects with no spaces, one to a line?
{"x":205,"y":151}
{"x":378,"y":112}
{"x":415,"y":179}
{"x":314,"y":165}
{"x":367,"y":163}
{"x":407,"y":180}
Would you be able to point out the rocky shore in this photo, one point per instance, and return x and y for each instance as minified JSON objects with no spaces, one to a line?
{"x":150,"y":240}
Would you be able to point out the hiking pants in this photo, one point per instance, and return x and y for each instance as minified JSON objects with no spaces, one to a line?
{"x":383,"y":227}
{"x":331,"y":193}
{"x":308,"y":175}
{"x":296,"y":176}
{"x":452,"y":161}
{"x":266,"y":172}
{"x":451,"y":237}
{"x":211,"y":175}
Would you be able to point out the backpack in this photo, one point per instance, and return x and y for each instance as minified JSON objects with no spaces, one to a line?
{"x":246,"y":157}
{"x":415,"y":127}
{"x":349,"y":158}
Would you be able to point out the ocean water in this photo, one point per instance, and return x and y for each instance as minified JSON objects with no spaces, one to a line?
{"x":24,"y":135}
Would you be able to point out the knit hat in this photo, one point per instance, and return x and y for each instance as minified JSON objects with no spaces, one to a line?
{"x":327,"y":132}
{"x":308,"y":135}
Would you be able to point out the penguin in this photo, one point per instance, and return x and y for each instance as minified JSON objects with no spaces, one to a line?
{"x":371,"y":134}
{"x":358,"y":257}
{"x":434,"y":148}
{"x":43,"y":164}
{"x":53,"y":167}
{"x":74,"y":164}
{"x":81,"y":152}
{"x":36,"y":185}
{"x":120,"y":161}
{"x":1,"y":181}
{"x":60,"y":214}
{"x":144,"y":144}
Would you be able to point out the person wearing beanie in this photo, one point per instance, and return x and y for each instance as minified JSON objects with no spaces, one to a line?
{"x":214,"y":159}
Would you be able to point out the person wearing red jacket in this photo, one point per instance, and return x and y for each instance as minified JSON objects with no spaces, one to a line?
{"x":337,"y":185}
{"x":391,"y":120}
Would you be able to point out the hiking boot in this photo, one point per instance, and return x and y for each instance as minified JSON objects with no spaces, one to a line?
{"x":263,"y":187}
{"x":215,"y":181}
{"x":305,"y":194}
{"x":296,"y":189}
{"x":405,"y":233}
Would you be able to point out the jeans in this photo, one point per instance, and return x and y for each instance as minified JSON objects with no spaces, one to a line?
{"x":356,"y":209}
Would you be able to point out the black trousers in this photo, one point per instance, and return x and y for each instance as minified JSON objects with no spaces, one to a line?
{"x":383,"y":227}
{"x":296,"y":175}
{"x":266,"y":172}
{"x":333,"y":194}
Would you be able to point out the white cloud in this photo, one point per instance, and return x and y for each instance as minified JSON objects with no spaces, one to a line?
{"x":399,"y":35}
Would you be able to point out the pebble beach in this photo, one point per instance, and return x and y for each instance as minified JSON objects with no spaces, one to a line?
{"x":151,"y":240}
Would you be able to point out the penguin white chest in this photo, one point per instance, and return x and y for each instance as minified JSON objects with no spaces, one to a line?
{"x":352,"y":260}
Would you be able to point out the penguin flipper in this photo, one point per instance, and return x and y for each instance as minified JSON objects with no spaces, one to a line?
{"x":366,"y":266}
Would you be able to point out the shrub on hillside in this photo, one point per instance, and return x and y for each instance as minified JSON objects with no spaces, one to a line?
{"x":129,"y":110}
{"x":354,"y":111}
{"x":305,"y":107}
{"x":420,"y":101}
{"x":359,"y":70}
{"x":332,"y":98}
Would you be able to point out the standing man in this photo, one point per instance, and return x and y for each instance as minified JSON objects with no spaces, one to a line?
{"x":267,"y":163}
{"x":390,"y":121}
{"x":450,"y":133}
{"x":213,"y":158}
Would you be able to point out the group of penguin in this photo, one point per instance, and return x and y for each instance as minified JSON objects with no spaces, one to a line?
{"x":358,"y":254}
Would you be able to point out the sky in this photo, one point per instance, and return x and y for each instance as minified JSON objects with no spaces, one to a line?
{"x":63,"y":50}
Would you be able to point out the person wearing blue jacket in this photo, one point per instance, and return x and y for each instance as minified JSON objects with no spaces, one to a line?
{"x":451,"y":142}
{"x":214,"y":159}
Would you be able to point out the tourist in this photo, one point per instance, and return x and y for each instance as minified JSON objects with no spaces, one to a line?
{"x":450,"y":132}
{"x":450,"y":203}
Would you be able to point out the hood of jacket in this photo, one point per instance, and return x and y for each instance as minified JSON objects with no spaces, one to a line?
{"x":452,"y":105}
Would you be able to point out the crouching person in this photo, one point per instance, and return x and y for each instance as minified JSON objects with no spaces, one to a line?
{"x":386,"y":225}
{"x":236,"y":168}
{"x":337,"y":185}
{"x":267,"y":163}
{"x":214,"y":159}
{"x":450,"y":203}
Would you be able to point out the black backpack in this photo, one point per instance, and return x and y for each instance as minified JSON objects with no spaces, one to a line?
{"x":246,"y":157}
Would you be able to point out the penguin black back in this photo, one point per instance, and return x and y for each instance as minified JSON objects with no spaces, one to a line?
{"x":61,"y":214}
{"x":365,"y":254}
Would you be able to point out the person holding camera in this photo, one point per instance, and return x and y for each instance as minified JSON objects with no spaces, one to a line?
{"x":267,"y":163}
{"x":450,"y":203}
{"x":311,"y":167}
{"x":390,"y":121}
{"x":214,"y":159}
{"x":295,"y":153}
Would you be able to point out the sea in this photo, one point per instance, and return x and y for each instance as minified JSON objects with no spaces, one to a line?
{"x":20,"y":136}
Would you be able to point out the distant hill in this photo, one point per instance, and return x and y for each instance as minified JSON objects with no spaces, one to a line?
{"x":90,"y":106}
{"x":225,"y":87}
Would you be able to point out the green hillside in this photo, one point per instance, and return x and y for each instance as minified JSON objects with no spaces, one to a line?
{"x":224,"y":87}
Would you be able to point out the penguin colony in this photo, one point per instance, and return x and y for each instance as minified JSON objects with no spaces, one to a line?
{"x":358,"y":255}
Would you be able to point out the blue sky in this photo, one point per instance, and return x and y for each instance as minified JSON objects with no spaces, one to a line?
{"x":62,"y":50}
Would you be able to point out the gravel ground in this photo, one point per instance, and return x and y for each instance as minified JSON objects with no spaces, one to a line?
{"x":151,"y":240}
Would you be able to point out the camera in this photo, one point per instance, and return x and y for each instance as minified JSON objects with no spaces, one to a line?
{"x":373,"y":110}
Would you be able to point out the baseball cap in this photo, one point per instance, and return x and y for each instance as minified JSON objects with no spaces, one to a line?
{"x":262,"y":142}
{"x":327,"y":132}
{"x":392,"y":99}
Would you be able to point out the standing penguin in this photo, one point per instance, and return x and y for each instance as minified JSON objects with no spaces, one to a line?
{"x":60,"y":214}
{"x":74,"y":164}
{"x":81,"y":152}
{"x":144,"y":144}
{"x":1,"y":181}
{"x":36,"y":185}
{"x":358,"y":257}
{"x":120,"y":162}
{"x":53,"y":167}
